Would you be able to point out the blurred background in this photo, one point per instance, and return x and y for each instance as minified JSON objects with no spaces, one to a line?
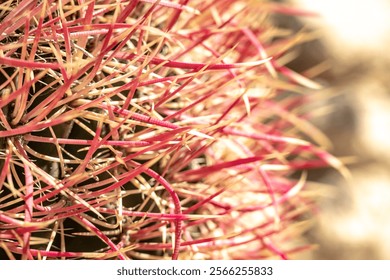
{"x":354,"y":35}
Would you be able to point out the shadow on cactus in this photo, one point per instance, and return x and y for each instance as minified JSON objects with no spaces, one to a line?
{"x":152,"y":130}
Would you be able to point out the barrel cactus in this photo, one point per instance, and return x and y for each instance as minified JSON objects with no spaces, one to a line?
{"x":146,"y":129}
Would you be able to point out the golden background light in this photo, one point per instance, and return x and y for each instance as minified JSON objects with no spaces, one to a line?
{"x":356,"y":35}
